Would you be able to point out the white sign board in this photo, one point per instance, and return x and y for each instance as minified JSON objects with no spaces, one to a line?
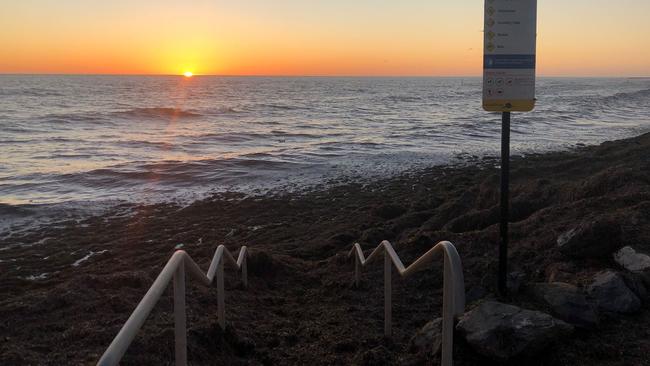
{"x":509,"y":55}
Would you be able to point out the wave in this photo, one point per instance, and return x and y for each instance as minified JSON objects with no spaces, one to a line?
{"x":230,"y":137}
{"x":65,"y":118}
{"x":62,"y":156}
{"x":225,"y":110}
{"x":625,"y":99}
{"x":166,"y":174}
{"x":283,"y":107}
{"x":236,"y":137}
{"x":144,"y":143}
{"x":31,"y":92}
{"x":643,"y":93}
{"x":159,"y":112}
{"x":282,"y":133}
{"x":404,"y":98}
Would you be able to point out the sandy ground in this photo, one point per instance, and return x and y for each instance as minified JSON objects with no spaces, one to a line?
{"x":301,"y":307}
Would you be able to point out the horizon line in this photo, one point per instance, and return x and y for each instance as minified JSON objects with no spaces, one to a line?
{"x":310,"y":75}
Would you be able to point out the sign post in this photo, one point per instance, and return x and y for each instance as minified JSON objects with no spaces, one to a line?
{"x":510,"y":29}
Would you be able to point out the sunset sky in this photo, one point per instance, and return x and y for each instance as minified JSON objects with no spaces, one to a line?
{"x":302,"y":37}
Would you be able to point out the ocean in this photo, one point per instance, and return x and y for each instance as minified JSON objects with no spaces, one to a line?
{"x":84,"y":142}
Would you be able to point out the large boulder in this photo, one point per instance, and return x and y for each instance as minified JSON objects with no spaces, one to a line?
{"x":567,"y":302}
{"x":501,"y":331}
{"x":591,"y":239}
{"x":610,"y":292}
{"x":638,"y":266}
{"x":637,"y":283}
{"x":632,"y":260}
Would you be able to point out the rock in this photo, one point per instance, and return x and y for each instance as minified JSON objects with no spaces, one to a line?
{"x":501,"y":331}
{"x":636,"y":283}
{"x":611,"y":293}
{"x":427,"y":339}
{"x":631,"y":260}
{"x":567,"y":303}
{"x":591,"y":239}
{"x":389,"y":211}
{"x":638,"y":266}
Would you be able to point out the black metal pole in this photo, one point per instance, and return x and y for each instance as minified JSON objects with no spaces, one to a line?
{"x":505,"y":182}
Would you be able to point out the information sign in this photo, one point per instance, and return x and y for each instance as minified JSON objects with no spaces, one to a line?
{"x":509,"y":55}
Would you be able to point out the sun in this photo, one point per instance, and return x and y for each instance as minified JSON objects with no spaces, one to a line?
{"x":188,"y":74}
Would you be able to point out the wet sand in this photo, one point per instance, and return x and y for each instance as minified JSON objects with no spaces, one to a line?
{"x":301,"y":307}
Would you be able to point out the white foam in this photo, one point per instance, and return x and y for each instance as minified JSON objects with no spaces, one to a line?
{"x":41,"y":276}
{"x":79,"y":261}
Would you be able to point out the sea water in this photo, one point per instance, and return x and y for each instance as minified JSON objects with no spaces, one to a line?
{"x":88,"y":141}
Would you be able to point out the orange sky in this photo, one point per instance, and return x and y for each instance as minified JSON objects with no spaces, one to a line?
{"x":298,"y":37}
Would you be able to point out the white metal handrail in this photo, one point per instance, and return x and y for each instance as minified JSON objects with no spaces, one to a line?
{"x":175,"y":268}
{"x":453,"y":300}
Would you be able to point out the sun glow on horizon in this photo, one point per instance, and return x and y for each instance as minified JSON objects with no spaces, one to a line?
{"x":188,"y":74}
{"x":294,"y":37}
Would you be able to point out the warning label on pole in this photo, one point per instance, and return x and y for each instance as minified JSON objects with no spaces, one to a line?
{"x":509,"y":55}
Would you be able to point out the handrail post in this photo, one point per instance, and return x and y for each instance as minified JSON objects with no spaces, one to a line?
{"x":448,"y":309}
{"x":244,"y":271}
{"x":180,"y":317}
{"x":221,"y":307}
{"x":357,"y":271}
{"x":453,"y":303}
{"x":388,"y":301}
{"x":174,"y":271}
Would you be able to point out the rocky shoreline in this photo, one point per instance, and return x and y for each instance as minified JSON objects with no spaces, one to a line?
{"x":580,"y":271}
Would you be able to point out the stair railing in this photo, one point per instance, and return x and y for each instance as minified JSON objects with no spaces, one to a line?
{"x":453,"y":294}
{"x":175,"y":270}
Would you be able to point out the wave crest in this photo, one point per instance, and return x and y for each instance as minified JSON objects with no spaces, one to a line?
{"x":643,"y":94}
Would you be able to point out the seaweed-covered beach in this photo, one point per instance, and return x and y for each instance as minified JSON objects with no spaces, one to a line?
{"x":66,"y":290}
